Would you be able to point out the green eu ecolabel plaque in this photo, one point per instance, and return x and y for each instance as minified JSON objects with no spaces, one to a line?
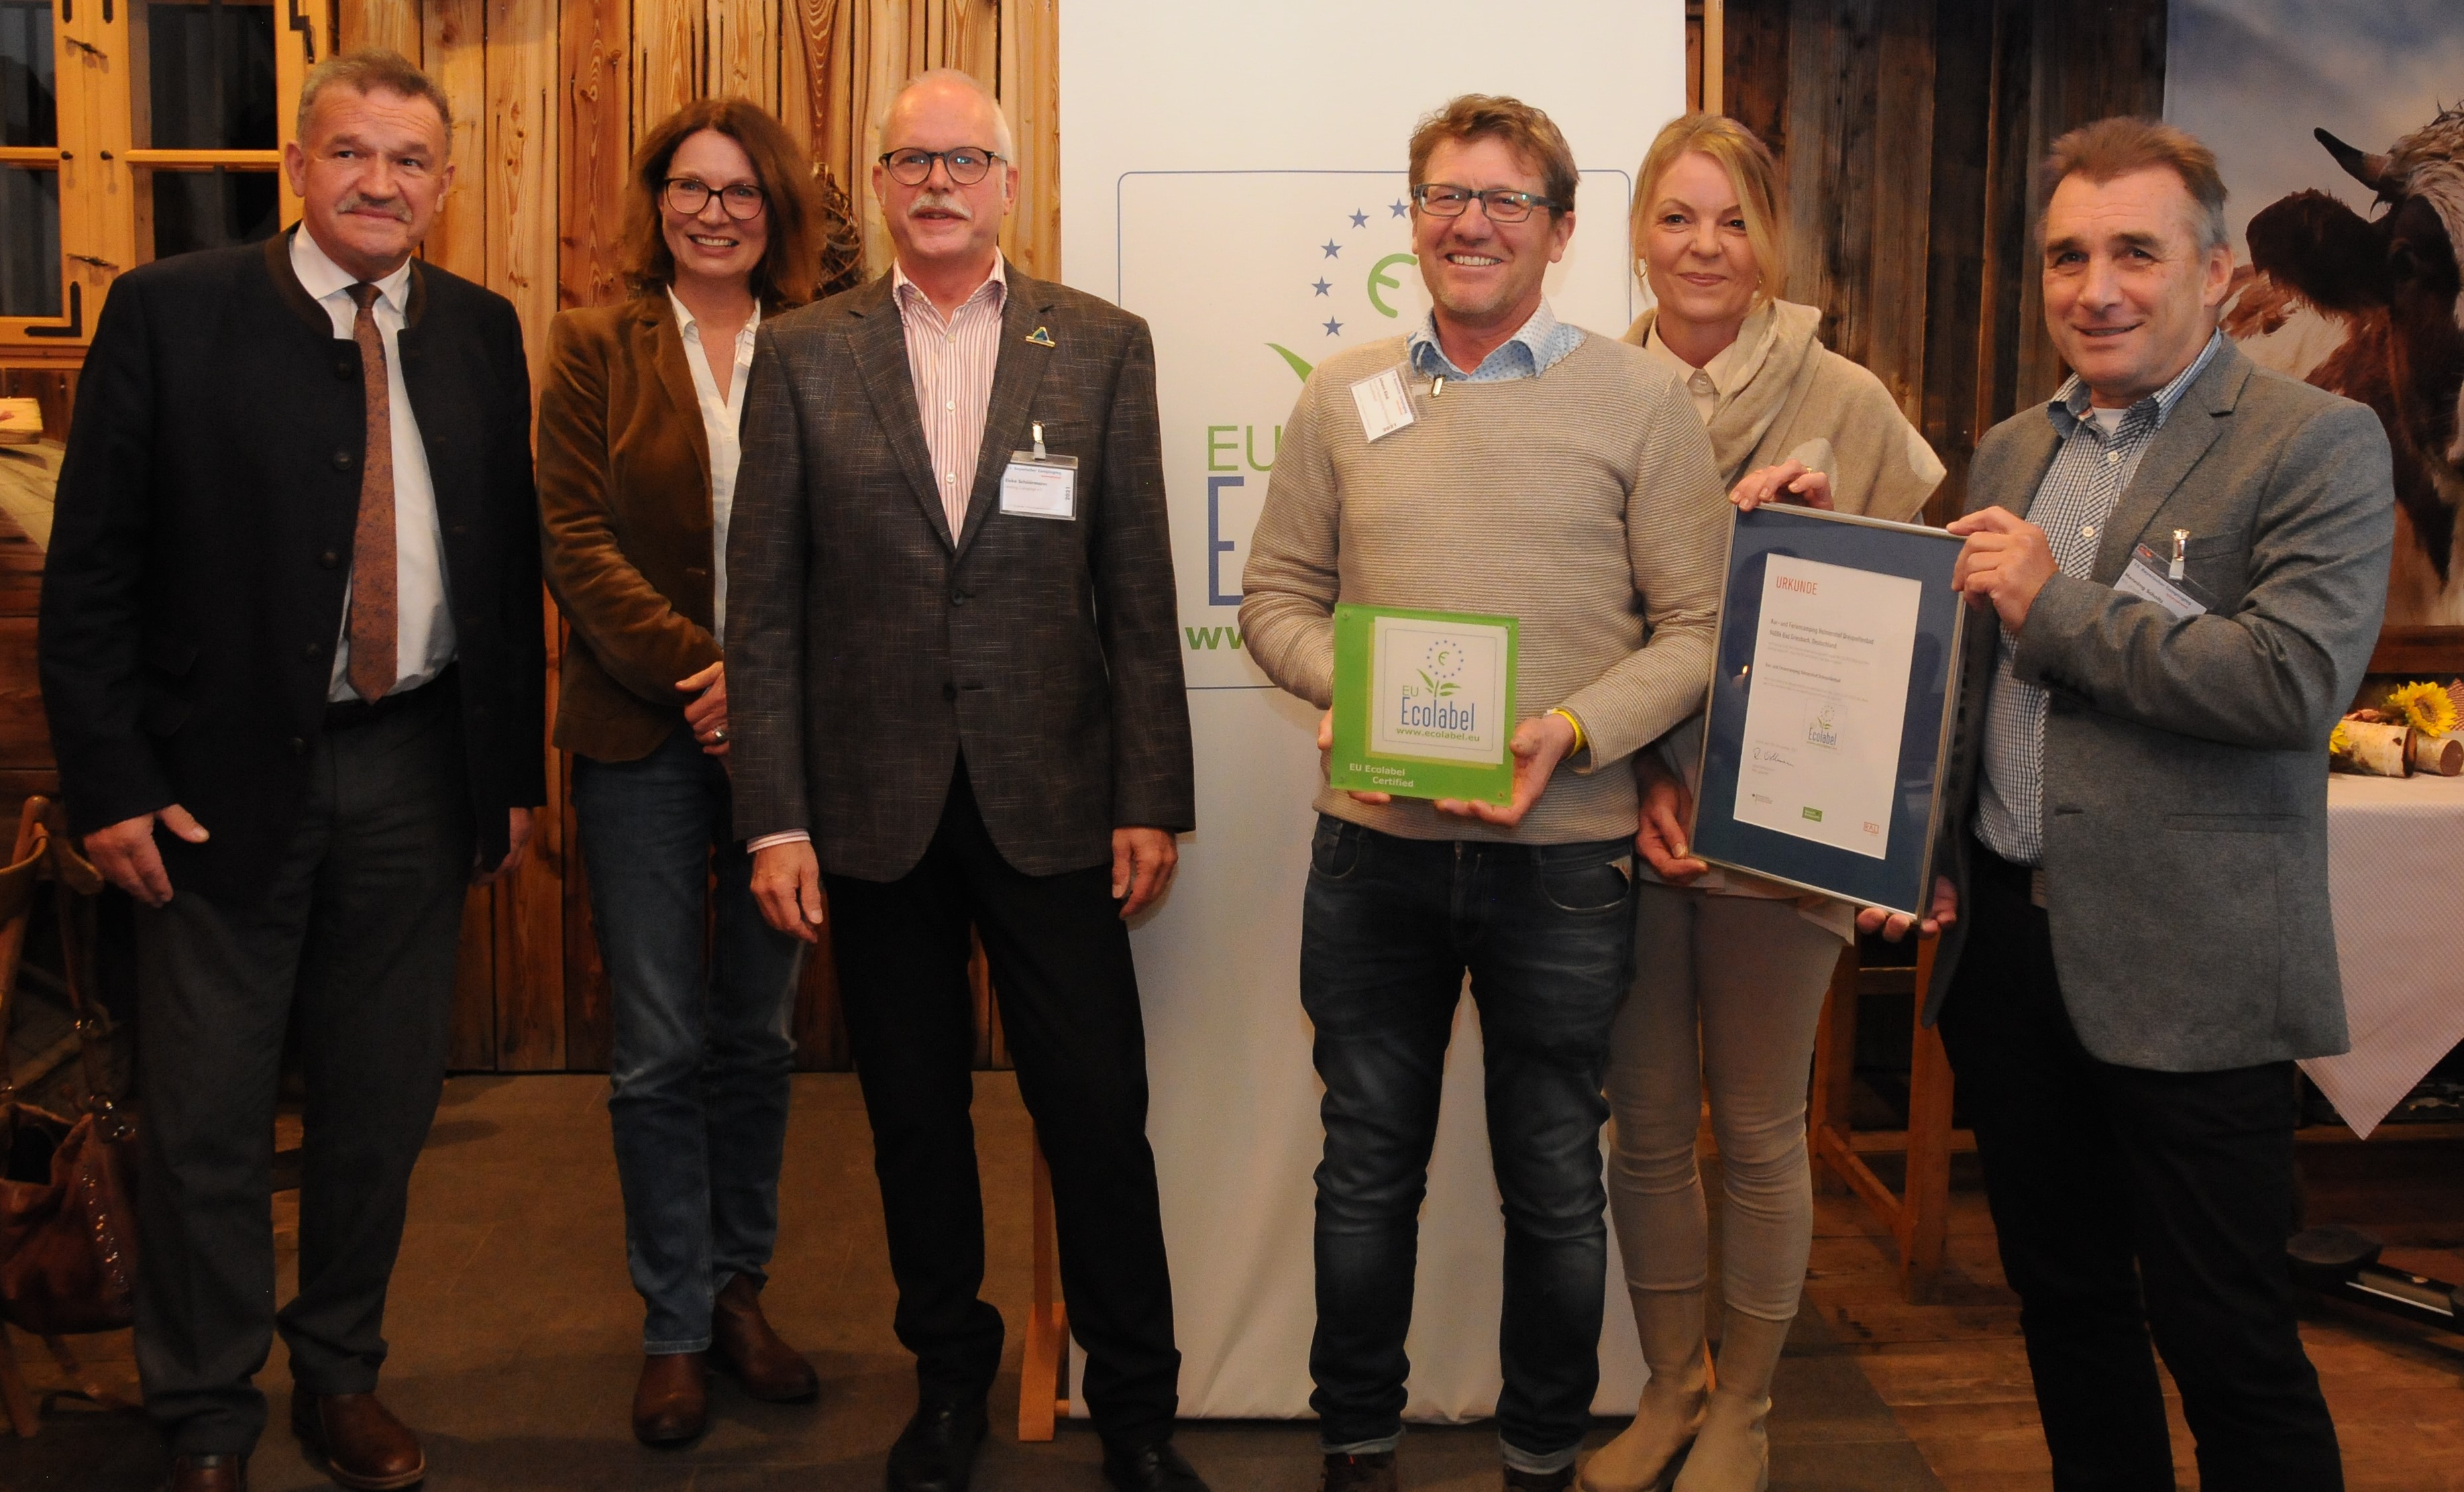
{"x":1423,"y":704}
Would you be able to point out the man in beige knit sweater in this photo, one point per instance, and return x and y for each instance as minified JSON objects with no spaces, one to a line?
{"x":1559,"y":478}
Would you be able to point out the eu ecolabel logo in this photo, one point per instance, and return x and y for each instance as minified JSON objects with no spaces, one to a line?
{"x":1429,"y":705}
{"x":1819,"y":731}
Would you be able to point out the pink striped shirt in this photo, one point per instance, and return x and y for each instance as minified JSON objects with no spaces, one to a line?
{"x":952,"y":362}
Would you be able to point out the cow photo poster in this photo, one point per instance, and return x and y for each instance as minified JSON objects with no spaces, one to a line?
{"x":2339,"y":129}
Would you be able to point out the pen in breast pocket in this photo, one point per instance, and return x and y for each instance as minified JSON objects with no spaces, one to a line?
{"x":2181,"y":540}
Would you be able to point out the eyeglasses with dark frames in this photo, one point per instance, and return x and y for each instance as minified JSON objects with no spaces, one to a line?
{"x":1439,"y":199}
{"x":914,"y":168}
{"x":687,"y":195}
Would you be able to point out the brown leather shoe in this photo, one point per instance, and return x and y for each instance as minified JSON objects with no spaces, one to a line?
{"x":671,"y":1404}
{"x":224,"y":1473}
{"x":742,"y":1345}
{"x":366,"y":1448}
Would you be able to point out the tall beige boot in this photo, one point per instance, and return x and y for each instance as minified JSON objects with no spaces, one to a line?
{"x":1670,"y":1323}
{"x":1732,"y":1453}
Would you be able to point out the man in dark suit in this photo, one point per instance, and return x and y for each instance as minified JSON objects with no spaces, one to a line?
{"x":2188,"y":558}
{"x":958,"y":698}
{"x":291,"y":652}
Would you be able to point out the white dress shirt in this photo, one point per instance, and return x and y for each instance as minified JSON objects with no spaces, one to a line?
{"x":722,"y":422}
{"x":423,"y":636}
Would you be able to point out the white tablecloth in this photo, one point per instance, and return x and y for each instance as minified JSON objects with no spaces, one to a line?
{"x":2395,"y":869}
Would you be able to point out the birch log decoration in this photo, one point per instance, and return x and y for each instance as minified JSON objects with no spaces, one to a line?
{"x":2439,"y":756}
{"x":2374,"y":748}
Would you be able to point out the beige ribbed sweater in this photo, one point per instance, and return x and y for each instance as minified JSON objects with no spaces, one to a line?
{"x":1582,"y":502}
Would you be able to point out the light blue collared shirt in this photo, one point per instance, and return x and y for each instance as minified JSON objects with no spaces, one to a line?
{"x":1540,"y":344}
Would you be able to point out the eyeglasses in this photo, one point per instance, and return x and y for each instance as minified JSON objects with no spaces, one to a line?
{"x":684,"y":194}
{"x":1502,"y":206}
{"x":911,"y":167}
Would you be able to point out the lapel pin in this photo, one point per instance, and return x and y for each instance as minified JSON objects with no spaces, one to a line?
{"x":1041,"y":338}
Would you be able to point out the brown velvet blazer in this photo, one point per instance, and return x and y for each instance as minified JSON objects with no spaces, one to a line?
{"x":624,"y":492}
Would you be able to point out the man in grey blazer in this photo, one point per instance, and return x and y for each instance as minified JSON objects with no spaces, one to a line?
{"x":2188,"y":557}
{"x":957,"y":699}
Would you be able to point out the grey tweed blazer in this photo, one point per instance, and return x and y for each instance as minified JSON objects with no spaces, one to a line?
{"x":869,"y":647}
{"x":2186,"y":768}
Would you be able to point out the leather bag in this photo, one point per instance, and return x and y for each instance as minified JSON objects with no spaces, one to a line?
{"x":68,"y":1221}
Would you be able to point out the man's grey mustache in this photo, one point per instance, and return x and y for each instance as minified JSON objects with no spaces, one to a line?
{"x":941,"y":202}
{"x":389,"y":206}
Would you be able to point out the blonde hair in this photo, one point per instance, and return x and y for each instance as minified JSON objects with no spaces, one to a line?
{"x":1751,"y":169}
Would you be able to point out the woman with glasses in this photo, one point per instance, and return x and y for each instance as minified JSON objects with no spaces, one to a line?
{"x":637,"y":456}
{"x":1729,"y":971}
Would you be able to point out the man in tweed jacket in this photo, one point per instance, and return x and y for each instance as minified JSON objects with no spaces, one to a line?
{"x":958,"y":703}
{"x":2188,"y":558}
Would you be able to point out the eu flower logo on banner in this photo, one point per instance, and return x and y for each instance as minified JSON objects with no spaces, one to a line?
{"x":1249,"y":281}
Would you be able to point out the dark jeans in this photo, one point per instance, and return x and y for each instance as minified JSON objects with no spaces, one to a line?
{"x":2126,"y":1201}
{"x":698,"y":1072}
{"x":1068,"y":996}
{"x":352,"y":948}
{"x":1388,"y":930}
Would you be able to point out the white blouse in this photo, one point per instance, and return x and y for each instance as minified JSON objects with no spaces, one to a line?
{"x":721,"y":419}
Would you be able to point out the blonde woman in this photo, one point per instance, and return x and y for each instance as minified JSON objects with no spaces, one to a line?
{"x":1729,"y":973}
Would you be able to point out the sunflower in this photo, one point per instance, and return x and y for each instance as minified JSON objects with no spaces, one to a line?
{"x":2339,"y":740}
{"x":2427,"y":705}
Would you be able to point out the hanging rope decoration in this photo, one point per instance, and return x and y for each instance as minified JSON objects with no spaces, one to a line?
{"x":842,"y":235}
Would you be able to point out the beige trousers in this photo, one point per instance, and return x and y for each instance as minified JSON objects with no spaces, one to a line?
{"x":1727,"y":993}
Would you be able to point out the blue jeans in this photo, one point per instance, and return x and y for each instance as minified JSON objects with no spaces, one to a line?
{"x":1388,"y":930}
{"x":698,"y":1080}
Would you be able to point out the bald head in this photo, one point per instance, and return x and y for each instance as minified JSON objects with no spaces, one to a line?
{"x":947,"y":94}
{"x":945,"y":215}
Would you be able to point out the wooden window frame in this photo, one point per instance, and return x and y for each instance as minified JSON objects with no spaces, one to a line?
{"x":104,"y":216}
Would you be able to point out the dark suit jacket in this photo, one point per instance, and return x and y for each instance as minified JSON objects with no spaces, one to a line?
{"x":869,"y":647}
{"x":624,"y":485}
{"x":193,"y":590}
{"x":2185,"y":762}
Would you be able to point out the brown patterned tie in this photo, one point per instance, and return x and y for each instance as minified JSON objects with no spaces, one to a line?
{"x":373,"y":575}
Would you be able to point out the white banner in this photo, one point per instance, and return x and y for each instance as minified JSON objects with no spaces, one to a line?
{"x":1235,"y":174}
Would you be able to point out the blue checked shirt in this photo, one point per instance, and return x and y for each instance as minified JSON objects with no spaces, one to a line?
{"x":2088,"y":476}
{"x":1540,"y":344}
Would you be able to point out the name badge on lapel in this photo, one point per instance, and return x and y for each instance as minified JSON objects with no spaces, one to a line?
{"x":1039,"y":485}
{"x":2173,"y":591}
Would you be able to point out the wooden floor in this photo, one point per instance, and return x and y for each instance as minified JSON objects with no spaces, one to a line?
{"x":514,"y":1336}
{"x":1955,"y":1374}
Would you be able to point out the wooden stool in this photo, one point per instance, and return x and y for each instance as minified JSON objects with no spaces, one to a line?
{"x":1039,"y":1401}
{"x":1917,"y":1214}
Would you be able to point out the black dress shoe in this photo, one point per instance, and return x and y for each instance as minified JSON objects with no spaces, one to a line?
{"x":1152,"y":1467}
{"x":937,"y":1451}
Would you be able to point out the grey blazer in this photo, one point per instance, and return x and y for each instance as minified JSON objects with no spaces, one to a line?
{"x":2186,"y":769}
{"x":869,"y":647}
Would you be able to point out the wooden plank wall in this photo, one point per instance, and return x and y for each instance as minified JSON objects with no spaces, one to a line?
{"x":549,"y":98}
{"x":1909,"y":132}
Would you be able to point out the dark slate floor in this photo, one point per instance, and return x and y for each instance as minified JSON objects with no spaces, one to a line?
{"x":516,"y":1338}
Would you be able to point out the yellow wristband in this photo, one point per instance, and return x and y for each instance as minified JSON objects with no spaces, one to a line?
{"x":1568,"y":716}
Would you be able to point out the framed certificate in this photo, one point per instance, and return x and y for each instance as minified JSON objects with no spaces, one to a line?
{"x":1423,"y":704}
{"x":1830,"y":704}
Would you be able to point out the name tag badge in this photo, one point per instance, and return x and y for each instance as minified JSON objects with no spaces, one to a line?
{"x":1384,"y":407}
{"x":1039,"y":485}
{"x":2141,"y":579}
